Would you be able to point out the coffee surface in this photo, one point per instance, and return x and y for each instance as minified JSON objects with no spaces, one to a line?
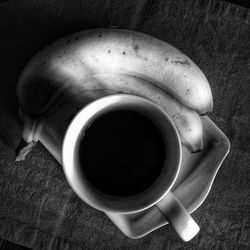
{"x":122,"y":153}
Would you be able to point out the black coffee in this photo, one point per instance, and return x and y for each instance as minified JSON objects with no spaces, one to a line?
{"x":122,"y":153}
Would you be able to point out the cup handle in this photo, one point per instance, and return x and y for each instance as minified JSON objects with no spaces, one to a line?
{"x":178,"y":217}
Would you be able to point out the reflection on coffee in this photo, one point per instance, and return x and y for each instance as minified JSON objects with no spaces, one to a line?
{"x":122,"y":153}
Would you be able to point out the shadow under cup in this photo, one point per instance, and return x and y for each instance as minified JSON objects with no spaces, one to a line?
{"x":73,"y":164}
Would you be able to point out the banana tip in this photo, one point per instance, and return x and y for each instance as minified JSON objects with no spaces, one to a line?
{"x":23,"y":149}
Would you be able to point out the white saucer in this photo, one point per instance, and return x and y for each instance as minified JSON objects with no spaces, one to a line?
{"x":192,"y":186}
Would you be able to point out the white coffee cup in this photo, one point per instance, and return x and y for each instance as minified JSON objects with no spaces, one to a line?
{"x":174,"y":212}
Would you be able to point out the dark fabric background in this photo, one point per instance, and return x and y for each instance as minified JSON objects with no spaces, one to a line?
{"x":37,"y":207}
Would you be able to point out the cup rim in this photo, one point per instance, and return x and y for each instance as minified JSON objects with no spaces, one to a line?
{"x":88,"y":193}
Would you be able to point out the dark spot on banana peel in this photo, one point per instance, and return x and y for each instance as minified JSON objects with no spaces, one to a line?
{"x":187,"y":92}
{"x":166,"y":59}
{"x":124,"y":53}
{"x":142,"y":57}
{"x":182,"y":62}
{"x":100,"y":35}
{"x":109,"y":51}
{"x":68,"y":41}
{"x":136,"y":47}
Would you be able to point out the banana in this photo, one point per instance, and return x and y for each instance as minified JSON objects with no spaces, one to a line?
{"x":119,"y":60}
{"x":187,"y":121}
{"x":75,"y":57}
